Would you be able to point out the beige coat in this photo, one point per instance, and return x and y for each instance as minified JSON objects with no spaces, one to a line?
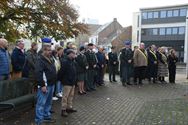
{"x":140,"y":59}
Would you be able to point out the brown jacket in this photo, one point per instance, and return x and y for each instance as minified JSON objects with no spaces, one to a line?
{"x":140,"y":58}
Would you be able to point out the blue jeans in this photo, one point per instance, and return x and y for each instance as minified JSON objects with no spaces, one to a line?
{"x":44,"y":104}
{"x":59,"y":87}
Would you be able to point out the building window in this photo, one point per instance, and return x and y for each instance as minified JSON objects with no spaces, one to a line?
{"x":162,"y":31}
{"x":150,"y":15}
{"x":163,"y":14}
{"x":144,"y":15}
{"x":175,"y":13}
{"x":154,"y":31}
{"x":174,"y":30}
{"x":169,"y":13}
{"x":156,"y":15}
{"x":181,"y":30}
{"x":168,"y":31}
{"x":183,"y":12}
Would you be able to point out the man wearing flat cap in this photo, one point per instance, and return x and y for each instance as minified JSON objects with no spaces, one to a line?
{"x":126,"y":58}
{"x":91,"y":72}
{"x":68,"y":75}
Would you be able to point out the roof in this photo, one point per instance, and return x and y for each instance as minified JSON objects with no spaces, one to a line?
{"x":93,"y":28}
{"x":164,"y":7}
{"x":101,"y":28}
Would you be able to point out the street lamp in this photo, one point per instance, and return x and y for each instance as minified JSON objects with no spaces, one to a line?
{"x":186,"y":45}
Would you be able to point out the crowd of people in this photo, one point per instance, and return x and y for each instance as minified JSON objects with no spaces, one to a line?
{"x":55,"y":73}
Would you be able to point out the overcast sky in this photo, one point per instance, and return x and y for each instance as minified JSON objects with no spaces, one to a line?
{"x":105,"y":10}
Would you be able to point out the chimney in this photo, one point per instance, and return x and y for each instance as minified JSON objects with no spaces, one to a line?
{"x":115,"y":19}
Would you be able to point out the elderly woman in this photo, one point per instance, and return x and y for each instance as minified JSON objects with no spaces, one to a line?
{"x":162,"y":64}
{"x":172,"y":60}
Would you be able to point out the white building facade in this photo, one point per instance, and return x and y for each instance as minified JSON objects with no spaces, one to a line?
{"x":163,"y":26}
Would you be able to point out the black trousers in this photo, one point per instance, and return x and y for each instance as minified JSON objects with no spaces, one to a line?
{"x":112,"y":73}
{"x":139,"y":73}
{"x":172,"y":74}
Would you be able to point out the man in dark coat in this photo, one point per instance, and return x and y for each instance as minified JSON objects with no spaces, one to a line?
{"x":18,"y":59}
{"x":91,"y":72}
{"x":126,"y":58}
{"x":101,"y":65}
{"x":69,"y":79}
{"x":112,"y":65}
{"x":32,"y":57}
{"x":46,"y":78}
{"x":152,"y":63}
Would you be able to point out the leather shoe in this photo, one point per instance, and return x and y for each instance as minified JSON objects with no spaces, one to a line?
{"x":71,"y":110}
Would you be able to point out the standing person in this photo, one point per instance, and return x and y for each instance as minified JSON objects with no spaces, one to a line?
{"x":18,"y":60}
{"x":135,"y":73}
{"x":59,"y":86}
{"x":140,"y":62}
{"x":57,"y":66}
{"x":126,"y":58}
{"x":91,"y":72}
{"x":101,"y":65}
{"x":69,"y":46}
{"x":162,"y":65}
{"x":172,"y":60}
{"x":4,"y":60}
{"x":68,"y":73}
{"x":32,"y":57}
{"x":46,"y":78}
{"x":82,"y":67}
{"x":112,"y":65}
{"x":152,"y":63}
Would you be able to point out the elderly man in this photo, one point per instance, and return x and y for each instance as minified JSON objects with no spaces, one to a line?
{"x":4,"y":60}
{"x":152,"y":63}
{"x":101,"y":65}
{"x":46,"y":79}
{"x":126,"y":58}
{"x":18,"y":59}
{"x":140,"y":62}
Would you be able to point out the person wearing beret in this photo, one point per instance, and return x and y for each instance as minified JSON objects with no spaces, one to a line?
{"x":91,"y":72}
{"x":112,"y":65}
{"x":82,"y":67}
{"x":126,"y":58}
{"x":46,"y":76}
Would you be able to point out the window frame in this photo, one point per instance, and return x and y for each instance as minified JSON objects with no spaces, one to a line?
{"x":160,"y":31}
{"x":155,"y":13}
{"x":167,"y":29}
{"x":181,"y":11}
{"x":174,"y":13}
{"x":164,"y":16}
{"x":170,"y":13}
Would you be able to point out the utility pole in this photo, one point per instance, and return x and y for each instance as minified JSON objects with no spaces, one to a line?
{"x":186,"y":44}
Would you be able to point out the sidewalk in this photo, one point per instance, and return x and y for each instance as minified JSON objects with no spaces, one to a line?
{"x":113,"y":104}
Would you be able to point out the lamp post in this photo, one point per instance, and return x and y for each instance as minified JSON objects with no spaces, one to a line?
{"x":186,"y":45}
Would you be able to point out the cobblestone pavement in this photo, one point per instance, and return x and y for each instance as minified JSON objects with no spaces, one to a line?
{"x":113,"y":104}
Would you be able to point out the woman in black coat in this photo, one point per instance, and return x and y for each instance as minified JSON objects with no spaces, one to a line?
{"x":82,"y":66}
{"x":172,"y":60}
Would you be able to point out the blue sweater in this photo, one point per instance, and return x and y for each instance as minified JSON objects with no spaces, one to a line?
{"x":4,"y":62}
